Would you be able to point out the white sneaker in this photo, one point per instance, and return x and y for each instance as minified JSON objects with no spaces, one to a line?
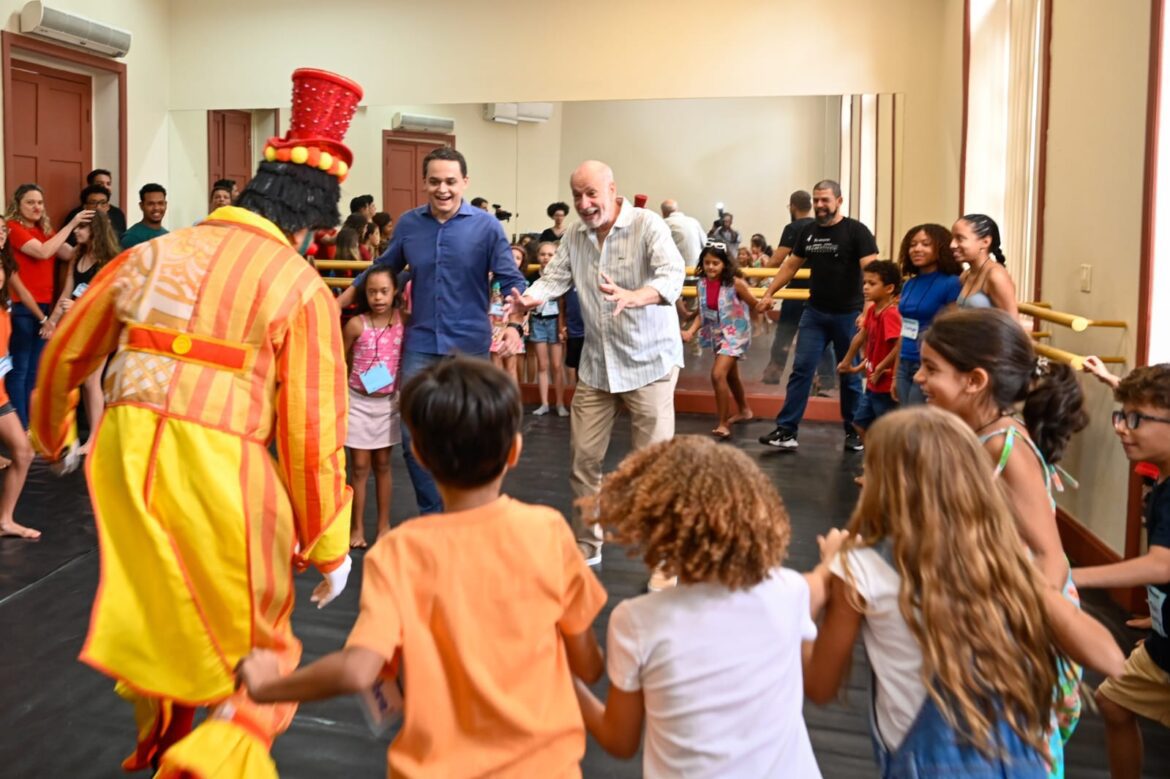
{"x":541,"y":411}
{"x":562,"y":411}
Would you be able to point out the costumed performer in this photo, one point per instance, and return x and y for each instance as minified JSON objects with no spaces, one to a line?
{"x":225,"y":341}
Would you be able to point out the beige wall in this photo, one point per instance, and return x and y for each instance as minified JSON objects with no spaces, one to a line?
{"x":414,"y":53}
{"x":1093,"y":215}
{"x":148,"y":85}
{"x":748,"y":153}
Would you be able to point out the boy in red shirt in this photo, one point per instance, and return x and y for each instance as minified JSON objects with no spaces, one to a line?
{"x":879,"y":339}
{"x":490,"y":603}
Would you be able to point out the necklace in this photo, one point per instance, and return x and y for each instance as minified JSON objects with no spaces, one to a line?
{"x":998,"y":416}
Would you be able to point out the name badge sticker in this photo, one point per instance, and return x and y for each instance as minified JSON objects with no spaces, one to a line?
{"x":1157,"y":601}
{"x":378,"y":377}
{"x":80,"y":289}
{"x":910,"y":328}
{"x":5,"y":365}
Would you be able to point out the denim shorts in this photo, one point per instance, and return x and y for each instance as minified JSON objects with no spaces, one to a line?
{"x":543,"y":330}
{"x":871,"y":406}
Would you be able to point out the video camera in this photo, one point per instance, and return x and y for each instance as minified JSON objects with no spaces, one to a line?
{"x":500,"y":213}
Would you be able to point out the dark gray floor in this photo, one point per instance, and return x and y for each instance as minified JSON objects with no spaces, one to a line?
{"x":59,"y":718}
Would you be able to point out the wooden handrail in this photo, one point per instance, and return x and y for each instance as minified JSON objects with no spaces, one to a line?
{"x":784,"y":294}
{"x":341,"y":264}
{"x":748,"y":273}
{"x":1077,"y":361}
{"x":1078,"y":324}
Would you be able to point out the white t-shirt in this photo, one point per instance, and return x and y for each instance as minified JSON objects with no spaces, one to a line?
{"x":721,"y":674}
{"x":893,"y":651}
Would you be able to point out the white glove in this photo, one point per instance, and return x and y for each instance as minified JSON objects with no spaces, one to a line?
{"x":332,"y":585}
{"x":69,"y":462}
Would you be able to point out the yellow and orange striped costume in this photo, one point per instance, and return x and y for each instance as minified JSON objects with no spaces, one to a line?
{"x":225,"y":340}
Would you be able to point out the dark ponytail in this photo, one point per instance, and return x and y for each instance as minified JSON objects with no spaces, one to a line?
{"x":984,"y":226}
{"x":987,"y":338}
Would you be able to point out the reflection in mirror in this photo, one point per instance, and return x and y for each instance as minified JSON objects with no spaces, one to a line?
{"x":746,"y":155}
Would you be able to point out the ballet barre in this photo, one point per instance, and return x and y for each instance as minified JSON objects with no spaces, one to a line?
{"x":341,"y":264}
{"x":1078,"y":324}
{"x":1077,"y":361}
{"x":783,"y":294}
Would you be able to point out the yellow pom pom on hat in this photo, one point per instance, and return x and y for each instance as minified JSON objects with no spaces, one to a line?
{"x":323,"y":105}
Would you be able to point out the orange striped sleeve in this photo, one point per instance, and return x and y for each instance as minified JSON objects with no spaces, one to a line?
{"x":312,"y":408}
{"x":88,"y":333}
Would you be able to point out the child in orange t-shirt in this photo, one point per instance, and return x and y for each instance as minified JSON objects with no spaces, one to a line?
{"x":490,"y":603}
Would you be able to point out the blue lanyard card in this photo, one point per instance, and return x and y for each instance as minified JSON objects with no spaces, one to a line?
{"x":378,"y":377}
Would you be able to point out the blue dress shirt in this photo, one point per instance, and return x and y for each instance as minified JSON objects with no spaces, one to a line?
{"x":450,"y":262}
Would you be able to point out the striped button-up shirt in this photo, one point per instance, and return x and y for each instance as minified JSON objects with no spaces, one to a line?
{"x":639,"y":345}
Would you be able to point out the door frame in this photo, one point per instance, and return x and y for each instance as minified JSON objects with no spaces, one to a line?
{"x":407,"y":135}
{"x":10,"y":43}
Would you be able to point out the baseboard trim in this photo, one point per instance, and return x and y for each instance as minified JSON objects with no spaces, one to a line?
{"x":1084,"y":548}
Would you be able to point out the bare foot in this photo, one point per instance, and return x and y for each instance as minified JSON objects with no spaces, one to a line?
{"x":721,"y":432}
{"x":742,"y":416}
{"x":357,"y":540}
{"x":18,"y":531}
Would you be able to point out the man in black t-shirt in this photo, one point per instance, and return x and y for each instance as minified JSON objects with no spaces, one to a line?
{"x":800,"y":214}
{"x":835,"y":248}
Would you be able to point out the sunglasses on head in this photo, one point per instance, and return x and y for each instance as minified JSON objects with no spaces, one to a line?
{"x":715,"y":245}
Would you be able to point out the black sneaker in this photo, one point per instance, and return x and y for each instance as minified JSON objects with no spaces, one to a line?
{"x":853,"y":443}
{"x":781,"y":438}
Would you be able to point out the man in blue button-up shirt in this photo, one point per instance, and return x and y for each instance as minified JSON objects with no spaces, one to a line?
{"x":450,"y":248}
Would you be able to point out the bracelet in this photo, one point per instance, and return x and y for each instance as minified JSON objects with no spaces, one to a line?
{"x":46,"y":319}
{"x":519,"y":328}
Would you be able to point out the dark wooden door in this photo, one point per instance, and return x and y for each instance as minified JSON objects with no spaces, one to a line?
{"x":52,"y":143}
{"x":402,"y":156}
{"x":229,"y":147}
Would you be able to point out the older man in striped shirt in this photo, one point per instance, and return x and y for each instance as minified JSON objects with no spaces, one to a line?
{"x":628,"y":273}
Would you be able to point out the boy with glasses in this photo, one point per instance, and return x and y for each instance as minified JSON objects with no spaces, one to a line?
{"x":1143,"y":425}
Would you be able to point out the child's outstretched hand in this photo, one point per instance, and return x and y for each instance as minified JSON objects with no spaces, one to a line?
{"x":686,"y":336}
{"x":1095,"y":366}
{"x":830,"y":543}
{"x":259,"y":668}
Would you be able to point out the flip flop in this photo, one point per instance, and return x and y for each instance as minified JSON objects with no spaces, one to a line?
{"x":722,"y":435}
{"x":363,"y":544}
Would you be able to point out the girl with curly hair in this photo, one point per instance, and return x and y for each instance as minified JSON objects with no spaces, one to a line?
{"x":725,"y":301}
{"x":980,"y":365}
{"x":962,"y":631}
{"x":713,"y":665}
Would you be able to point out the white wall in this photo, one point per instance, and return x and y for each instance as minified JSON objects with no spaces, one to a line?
{"x":1093,"y":215}
{"x":148,"y":85}
{"x":748,"y":153}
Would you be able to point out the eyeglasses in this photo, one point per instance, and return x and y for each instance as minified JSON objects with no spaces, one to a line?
{"x":92,"y":204}
{"x":1134,"y":419}
{"x":715,"y":245}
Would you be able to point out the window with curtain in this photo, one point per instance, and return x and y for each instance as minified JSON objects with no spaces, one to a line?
{"x":1005,"y":83}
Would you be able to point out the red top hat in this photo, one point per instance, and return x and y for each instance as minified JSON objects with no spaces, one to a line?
{"x":323,"y":104}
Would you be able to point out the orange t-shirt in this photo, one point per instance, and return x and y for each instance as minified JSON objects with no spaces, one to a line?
{"x":478,"y":600}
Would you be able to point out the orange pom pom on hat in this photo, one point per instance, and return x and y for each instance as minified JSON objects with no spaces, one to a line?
{"x":323,"y":104}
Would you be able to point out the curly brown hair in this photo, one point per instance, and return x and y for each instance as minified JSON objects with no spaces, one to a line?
{"x":940,"y":241}
{"x":675,"y":505}
{"x":1148,"y":385}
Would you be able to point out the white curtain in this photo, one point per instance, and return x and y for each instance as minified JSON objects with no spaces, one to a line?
{"x":1004,"y":97}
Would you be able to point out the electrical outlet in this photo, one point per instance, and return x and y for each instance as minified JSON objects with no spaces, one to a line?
{"x":1086,"y":278}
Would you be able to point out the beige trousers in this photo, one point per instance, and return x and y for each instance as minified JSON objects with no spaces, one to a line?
{"x":651,"y":419}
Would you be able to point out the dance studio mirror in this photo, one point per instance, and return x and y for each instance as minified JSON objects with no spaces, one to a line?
{"x":747,"y":154}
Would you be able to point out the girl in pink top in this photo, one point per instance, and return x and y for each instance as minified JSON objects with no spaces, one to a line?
{"x":373,"y":343}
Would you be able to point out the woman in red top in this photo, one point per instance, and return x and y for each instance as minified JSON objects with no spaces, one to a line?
{"x":34,"y":246}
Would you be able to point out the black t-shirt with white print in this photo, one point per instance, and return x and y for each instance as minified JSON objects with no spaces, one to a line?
{"x":832,"y":255}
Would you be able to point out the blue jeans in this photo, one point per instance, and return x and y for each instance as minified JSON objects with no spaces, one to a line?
{"x":818,"y":328}
{"x":25,"y":346}
{"x":909,"y":393}
{"x":425,"y":491}
{"x":782,"y":342}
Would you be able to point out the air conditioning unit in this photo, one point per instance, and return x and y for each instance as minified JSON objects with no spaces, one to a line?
{"x":68,"y":27}
{"x":534,"y":112}
{"x":420,"y":123}
{"x":501,"y":113}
